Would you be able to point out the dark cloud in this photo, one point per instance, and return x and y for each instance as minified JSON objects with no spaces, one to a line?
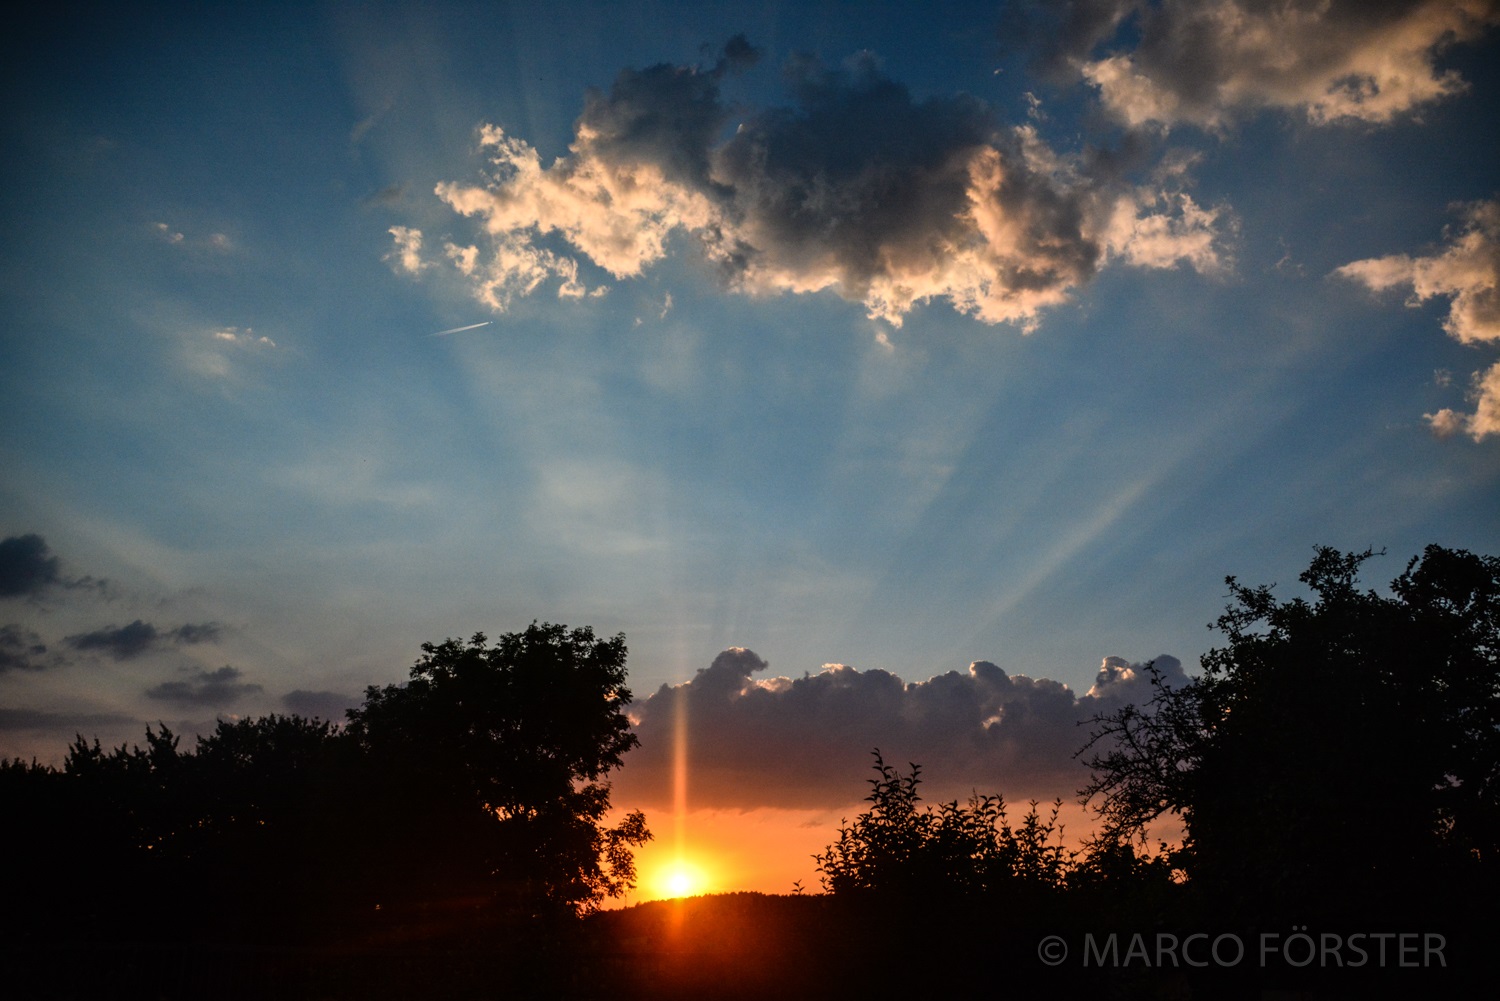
{"x":32,"y":719}
{"x":664,"y":116}
{"x":125,"y":642}
{"x":1165,"y":62}
{"x":1054,"y":37}
{"x":200,"y":632}
{"x":854,"y":187}
{"x":20,"y":650}
{"x":323,"y":705}
{"x":805,"y":742}
{"x":120,"y":642}
{"x":205,"y":688}
{"x":858,"y":180}
{"x":27,"y":566}
{"x":738,"y":55}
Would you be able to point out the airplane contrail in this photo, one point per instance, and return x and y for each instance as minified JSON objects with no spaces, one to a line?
{"x":459,"y":330}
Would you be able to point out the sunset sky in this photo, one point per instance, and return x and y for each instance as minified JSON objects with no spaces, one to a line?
{"x":823,"y":349}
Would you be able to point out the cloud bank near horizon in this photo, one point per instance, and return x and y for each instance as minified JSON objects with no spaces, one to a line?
{"x":805,"y":742}
{"x":855,"y":188}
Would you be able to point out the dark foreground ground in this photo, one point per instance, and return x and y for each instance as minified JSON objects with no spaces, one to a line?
{"x":744,"y":946}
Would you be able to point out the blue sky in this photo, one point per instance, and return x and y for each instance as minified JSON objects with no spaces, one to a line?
{"x":1170,"y":318}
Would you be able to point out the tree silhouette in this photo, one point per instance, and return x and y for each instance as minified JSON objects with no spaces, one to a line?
{"x":461,"y":811}
{"x":1335,"y":753}
{"x":504,"y":747}
{"x":898,"y":849}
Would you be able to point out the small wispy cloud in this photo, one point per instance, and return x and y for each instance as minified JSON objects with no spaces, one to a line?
{"x":21,"y":649}
{"x":246,"y":338}
{"x":205,"y":688}
{"x":387,"y":196}
{"x":138,"y":637}
{"x":362,"y":128}
{"x":219,"y":243}
{"x":214,"y":353}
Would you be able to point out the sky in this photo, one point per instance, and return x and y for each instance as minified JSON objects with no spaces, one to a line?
{"x":890,"y":377}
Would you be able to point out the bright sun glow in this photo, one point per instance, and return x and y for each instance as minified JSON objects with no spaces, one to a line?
{"x":681,"y":879}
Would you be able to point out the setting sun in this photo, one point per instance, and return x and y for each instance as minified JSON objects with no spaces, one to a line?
{"x":680,"y":879}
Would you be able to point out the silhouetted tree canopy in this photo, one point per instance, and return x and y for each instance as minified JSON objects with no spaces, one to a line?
{"x":1336,"y":764}
{"x":1335,"y":751}
{"x":897,"y":848}
{"x":470,"y":798}
{"x":517,"y":734}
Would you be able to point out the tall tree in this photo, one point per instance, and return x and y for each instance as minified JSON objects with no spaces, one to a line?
{"x":504,"y":748}
{"x":1335,"y":750}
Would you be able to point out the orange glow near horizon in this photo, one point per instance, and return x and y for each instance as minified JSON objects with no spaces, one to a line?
{"x":679,"y":878}
{"x":757,"y":848}
{"x":763,"y":850}
{"x":768,"y":849}
{"x":679,"y":770}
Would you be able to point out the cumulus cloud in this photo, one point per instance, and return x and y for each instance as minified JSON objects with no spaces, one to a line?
{"x":805,"y":742}
{"x":1466,"y":271}
{"x":855,"y":188}
{"x":408,"y":251}
{"x":125,"y":642}
{"x":1484,"y":393}
{"x":1200,"y":62}
{"x":205,"y":688}
{"x":20,"y":649}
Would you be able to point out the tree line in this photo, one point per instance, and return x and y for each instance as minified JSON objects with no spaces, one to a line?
{"x":1336,"y":764}
{"x":1334,"y":755}
{"x":1333,"y":772}
{"x":461,"y":811}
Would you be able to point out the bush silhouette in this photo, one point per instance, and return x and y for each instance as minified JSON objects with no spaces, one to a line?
{"x":896,"y":848}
